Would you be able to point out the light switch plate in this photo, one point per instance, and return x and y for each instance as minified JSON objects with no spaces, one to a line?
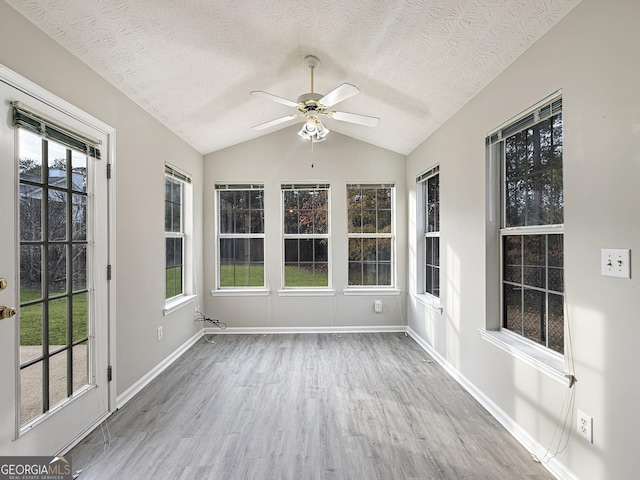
{"x":616,"y":262}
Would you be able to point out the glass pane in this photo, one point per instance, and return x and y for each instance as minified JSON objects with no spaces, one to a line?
{"x":78,"y":171}
{"x":384,"y":199}
{"x":257,"y":221}
{"x":176,"y":217}
{"x":170,"y":252}
{"x":512,"y":301}
{"x":512,"y":254}
{"x":355,"y":250}
{"x":355,"y":221}
{"x":369,"y":221}
{"x":369,"y":273}
{"x":256,"y":199}
{"x":80,"y":366}
{"x":256,"y":246}
{"x":57,"y":215}
{"x":534,"y":268}
{"x":79,"y":263}
{"x":384,"y":249}
{"x":369,"y":198}
{"x":58,"y":378}
{"x":555,"y":255}
{"x":533,"y":318}
{"x":291,"y":221}
{"x":369,"y":250}
{"x":57,"y":269}
{"x":320,"y":275}
{"x":291,"y":251}
{"x":30,"y":392}
{"x":320,"y":250}
{"x":79,"y":217}
{"x":384,"y":221}
{"x":30,"y":332}
{"x":57,"y":323}
{"x":168,"y":213}
{"x":384,"y":273}
{"x":30,"y":273}
{"x":556,"y":323}
{"x":30,"y":162}
{"x":306,"y":250}
{"x":80,"y":317}
{"x":355,"y":273}
{"x":57,"y":165}
{"x":30,"y":213}
{"x":321,"y":221}
{"x":242,"y":219}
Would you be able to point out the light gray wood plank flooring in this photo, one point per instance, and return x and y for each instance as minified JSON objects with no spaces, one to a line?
{"x":308,"y":406}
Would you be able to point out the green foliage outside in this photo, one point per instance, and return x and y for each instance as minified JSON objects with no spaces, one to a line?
{"x":31,"y":319}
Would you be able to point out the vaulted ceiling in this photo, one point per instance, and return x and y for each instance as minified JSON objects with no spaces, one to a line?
{"x":192,"y":63}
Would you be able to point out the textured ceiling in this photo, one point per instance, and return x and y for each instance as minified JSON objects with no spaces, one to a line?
{"x":192,"y":63}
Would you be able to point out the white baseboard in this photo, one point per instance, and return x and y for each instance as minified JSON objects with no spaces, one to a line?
{"x":555,"y":467}
{"x":134,"y":389}
{"x":292,"y":330}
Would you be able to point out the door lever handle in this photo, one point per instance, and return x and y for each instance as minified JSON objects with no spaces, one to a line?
{"x":6,"y":312}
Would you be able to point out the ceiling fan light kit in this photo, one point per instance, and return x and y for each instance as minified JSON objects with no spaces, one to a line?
{"x":312,"y":105}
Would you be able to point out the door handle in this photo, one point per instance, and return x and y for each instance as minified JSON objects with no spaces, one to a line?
{"x":3,"y":284}
{"x":6,"y":312}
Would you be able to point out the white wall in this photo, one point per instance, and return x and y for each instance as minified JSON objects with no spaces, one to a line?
{"x":283,"y":157}
{"x":143,"y":145}
{"x":592,"y":55}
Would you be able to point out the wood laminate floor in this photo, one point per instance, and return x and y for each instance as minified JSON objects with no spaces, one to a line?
{"x":304,"y":407}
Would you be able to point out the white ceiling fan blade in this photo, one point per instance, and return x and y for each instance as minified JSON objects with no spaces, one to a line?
{"x":365,"y":120}
{"x":277,"y":121}
{"x":275,"y":98}
{"x":337,"y":95}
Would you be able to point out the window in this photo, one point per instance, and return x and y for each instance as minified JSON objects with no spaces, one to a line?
{"x":240,"y":236}
{"x":175,"y":223}
{"x":370,"y":233}
{"x":306,"y":235}
{"x":531,"y":234}
{"x":430,"y":186}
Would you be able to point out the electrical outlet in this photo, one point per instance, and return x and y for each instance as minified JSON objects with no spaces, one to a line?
{"x":377,"y":306}
{"x":585,"y":426}
{"x":159,"y":333}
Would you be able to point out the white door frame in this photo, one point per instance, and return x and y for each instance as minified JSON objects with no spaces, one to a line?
{"x":21,"y":83}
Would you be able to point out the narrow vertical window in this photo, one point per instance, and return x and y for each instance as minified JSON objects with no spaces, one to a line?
{"x":175,"y":219}
{"x":370,"y":234}
{"x":532,"y":221}
{"x":240,"y":230}
{"x":306,"y":235}
{"x":430,"y":187}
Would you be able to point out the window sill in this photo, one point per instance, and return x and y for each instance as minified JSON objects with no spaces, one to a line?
{"x":307,"y":292}
{"x":370,"y":291}
{"x":241,"y":292}
{"x":176,"y":303}
{"x":548,"y":363}
{"x":430,"y":301}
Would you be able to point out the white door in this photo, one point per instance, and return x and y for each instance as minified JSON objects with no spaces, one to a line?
{"x":53,"y":257}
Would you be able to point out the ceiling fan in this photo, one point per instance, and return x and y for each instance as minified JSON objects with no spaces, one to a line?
{"x":312,"y":105}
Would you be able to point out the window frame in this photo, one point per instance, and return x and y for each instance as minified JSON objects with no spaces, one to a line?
{"x":185,"y":233}
{"x":538,"y":355}
{"x":304,"y":289}
{"x":374,"y":235}
{"x":219,"y":235}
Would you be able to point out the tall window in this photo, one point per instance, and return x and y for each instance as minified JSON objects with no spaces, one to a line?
{"x":240,"y":235}
{"x":532,"y":225}
{"x":175,"y":183}
{"x":430,"y":183}
{"x":371,"y":235}
{"x":306,"y":235}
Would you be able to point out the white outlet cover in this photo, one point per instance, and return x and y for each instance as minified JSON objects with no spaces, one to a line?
{"x":585,"y":426}
{"x":616,"y":262}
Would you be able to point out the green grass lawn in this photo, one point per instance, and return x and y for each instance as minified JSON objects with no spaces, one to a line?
{"x":253,"y":276}
{"x":31,"y":319}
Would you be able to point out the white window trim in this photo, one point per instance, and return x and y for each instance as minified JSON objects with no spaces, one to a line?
{"x":538,"y":356}
{"x":290,"y":291}
{"x":241,"y":290}
{"x":425,"y":298}
{"x":187,"y":296}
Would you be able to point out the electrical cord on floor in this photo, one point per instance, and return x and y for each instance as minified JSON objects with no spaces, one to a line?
{"x":201,"y":317}
{"x":107,"y":443}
